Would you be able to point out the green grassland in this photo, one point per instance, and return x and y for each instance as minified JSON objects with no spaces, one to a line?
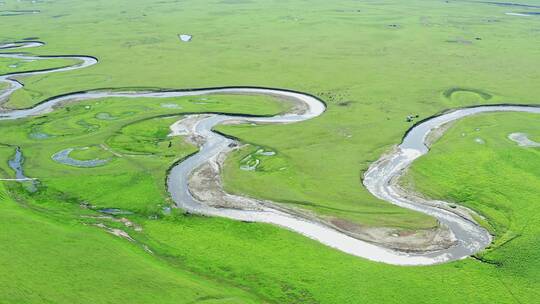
{"x":134,"y":136}
{"x":477,"y":166}
{"x":373,"y":65}
{"x":67,"y":262}
{"x":231,"y":252}
{"x":91,"y":153}
{"x":373,"y":62}
{"x":10,"y":65}
{"x":289,"y":176}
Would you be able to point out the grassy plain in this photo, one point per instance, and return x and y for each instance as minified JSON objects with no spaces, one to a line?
{"x":231,"y":252}
{"x":373,"y":65}
{"x":137,"y":133}
{"x":371,"y":62}
{"x":477,"y":166}
{"x":67,"y":262}
{"x":10,"y":65}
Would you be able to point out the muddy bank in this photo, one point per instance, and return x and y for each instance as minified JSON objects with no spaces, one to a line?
{"x":205,"y":185}
{"x":382,"y":177}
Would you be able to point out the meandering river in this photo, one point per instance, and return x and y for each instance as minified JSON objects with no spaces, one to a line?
{"x":379,"y":179}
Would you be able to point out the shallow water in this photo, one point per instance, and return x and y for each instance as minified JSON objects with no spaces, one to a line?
{"x":185,"y":37}
{"x":39,"y":135}
{"x":63,"y":157}
{"x":16,"y":163}
{"x":114,"y":211}
{"x":170,"y":106}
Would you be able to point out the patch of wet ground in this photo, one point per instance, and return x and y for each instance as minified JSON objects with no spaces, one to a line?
{"x":39,"y":135}
{"x":252,"y":161}
{"x":63,"y":157}
{"x":479,"y":140}
{"x":460,"y":41}
{"x":105,"y":116}
{"x":523,"y":140}
{"x":170,"y":106}
{"x":115,"y":211}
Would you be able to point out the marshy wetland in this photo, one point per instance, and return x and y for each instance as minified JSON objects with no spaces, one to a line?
{"x":115,"y":137}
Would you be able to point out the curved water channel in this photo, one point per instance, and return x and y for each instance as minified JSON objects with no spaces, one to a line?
{"x":379,"y":179}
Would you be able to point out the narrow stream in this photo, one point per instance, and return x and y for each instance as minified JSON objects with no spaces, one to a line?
{"x":16,"y":163}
